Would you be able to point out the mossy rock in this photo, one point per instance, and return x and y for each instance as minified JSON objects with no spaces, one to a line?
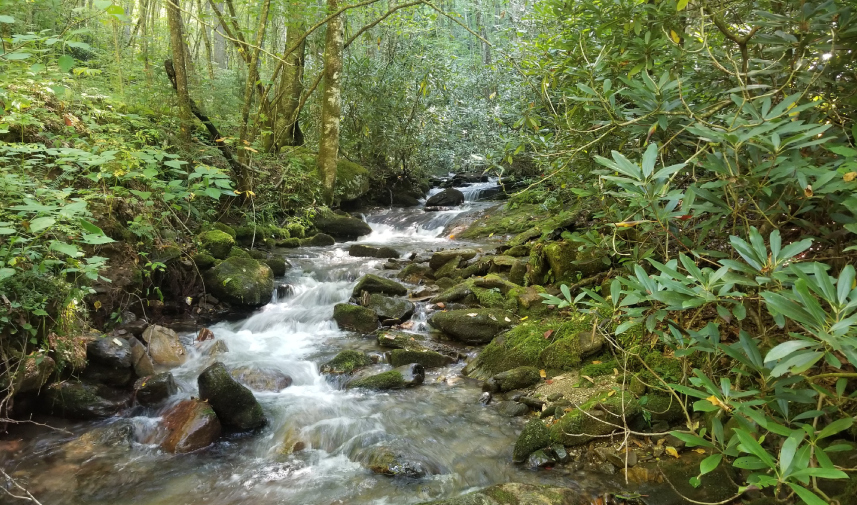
{"x":203,"y":260}
{"x":664,"y":408}
{"x":296,"y":230}
{"x":318,"y":240}
{"x":534,"y":436}
{"x":395,"y":339}
{"x":524,"y":345}
{"x":388,"y":308}
{"x":560,"y":355}
{"x":352,"y":181}
{"x":473,"y":326}
{"x":600,"y":366}
{"x":408,"y":375}
{"x":166,"y":253}
{"x":237,"y":252}
{"x":514,"y":493}
{"x":598,"y":416}
{"x":442,"y":258}
{"x":375,"y":284}
{"x":78,"y":400}
{"x":218,"y":243}
{"x":241,"y":281}
{"x":225,"y":228}
{"x":413,"y":273}
{"x":257,"y":255}
{"x":342,"y":227}
{"x":278,"y":266}
{"x":291,"y":243}
{"x":426,"y":358}
{"x":346,"y":362}
{"x":355,"y":318}
{"x":449,"y":269}
{"x":234,"y":404}
{"x":510,"y":380}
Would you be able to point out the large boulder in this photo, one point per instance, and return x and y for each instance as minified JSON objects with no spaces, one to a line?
{"x":342,"y":227}
{"x":235,"y":405}
{"x":34,"y":374}
{"x":386,"y":308}
{"x":394,"y":339}
{"x":80,"y":400}
{"x":155,"y":389}
{"x":352,"y":181}
{"x":473,"y":326}
{"x":260,"y":378}
{"x":111,"y":440}
{"x":346,"y":362}
{"x":397,"y":459}
{"x":368,"y":251}
{"x":513,"y":493}
{"x":241,"y":281}
{"x":566,"y":261}
{"x":318,"y":240}
{"x":441,"y":258}
{"x":446,"y":198}
{"x":404,"y":376}
{"x":535,"y":436}
{"x":600,"y":415}
{"x":375,"y":284}
{"x":278,"y":265}
{"x":164,"y":346}
{"x":355,"y":318}
{"x":217,"y":242}
{"x":190,"y":425}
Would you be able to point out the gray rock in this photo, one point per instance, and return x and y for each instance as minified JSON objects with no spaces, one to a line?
{"x":512,"y":409}
{"x":342,"y":227}
{"x":426,"y":358}
{"x":80,"y":400}
{"x":518,"y":494}
{"x":516,"y":378}
{"x":155,"y":389}
{"x":441,"y":258}
{"x":473,"y":326}
{"x":386,"y":307}
{"x":559,"y":453}
{"x":260,"y":378}
{"x":447,"y":198}
{"x":375,"y":284}
{"x":540,"y":459}
{"x":535,"y":436}
{"x":109,"y":351}
{"x":164,"y":346}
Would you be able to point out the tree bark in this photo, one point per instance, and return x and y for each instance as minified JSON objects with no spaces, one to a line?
{"x":206,"y":40}
{"x":177,"y":43}
{"x":283,"y":111}
{"x":328,"y":149}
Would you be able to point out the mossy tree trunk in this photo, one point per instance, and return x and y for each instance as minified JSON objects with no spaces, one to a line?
{"x":282,"y":122}
{"x":328,"y":149}
{"x":177,"y":43}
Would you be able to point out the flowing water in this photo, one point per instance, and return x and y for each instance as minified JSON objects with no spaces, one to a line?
{"x":459,"y":443}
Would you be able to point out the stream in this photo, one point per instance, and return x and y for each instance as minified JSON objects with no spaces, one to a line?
{"x":460,"y":444}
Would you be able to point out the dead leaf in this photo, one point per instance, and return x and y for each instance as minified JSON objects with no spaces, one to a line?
{"x":548,"y":334}
{"x":588,"y":378}
{"x":612,"y":392}
{"x":718,"y":403}
{"x":808,"y":191}
{"x":117,"y":342}
{"x":596,"y":362}
{"x":699,"y":450}
{"x":508,"y":320}
{"x":441,"y":305}
{"x":542,"y":374}
{"x":492,"y":317}
{"x":548,"y":381}
{"x":671,"y":451}
{"x":850,"y":176}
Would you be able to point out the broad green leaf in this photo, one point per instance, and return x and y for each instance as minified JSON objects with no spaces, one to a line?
{"x":650,"y":157}
{"x":5,"y":273}
{"x":680,"y":6}
{"x":752,"y":446}
{"x":835,"y":427}
{"x":90,"y":228}
{"x":7,"y":19}
{"x":65,"y":62}
{"x":17,"y":55}
{"x":41,"y":223}
{"x":710,"y":463}
{"x":808,"y":497}
{"x":67,"y":249}
{"x":785,"y":349}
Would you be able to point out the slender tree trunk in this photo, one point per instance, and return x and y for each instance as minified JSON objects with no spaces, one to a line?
{"x":177,"y":43}
{"x":328,"y":149}
{"x":207,"y":41}
{"x":283,"y":110}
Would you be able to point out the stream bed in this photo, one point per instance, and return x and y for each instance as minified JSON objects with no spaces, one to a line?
{"x":460,"y":444}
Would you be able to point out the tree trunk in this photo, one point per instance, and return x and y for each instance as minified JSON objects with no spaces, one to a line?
{"x":328,"y":149}
{"x":204,"y":31}
{"x":177,"y":43}
{"x":282,"y":121}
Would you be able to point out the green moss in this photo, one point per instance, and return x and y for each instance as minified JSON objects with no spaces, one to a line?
{"x":580,"y":425}
{"x":663,"y":408}
{"x":237,"y":252}
{"x":491,"y":298}
{"x":355,"y":318}
{"x":289,"y":242}
{"x":257,"y":254}
{"x":428,"y":359}
{"x":524,"y":344}
{"x":296,"y":230}
{"x":203,"y":260}
{"x":535,"y":436}
{"x":387,"y":380}
{"x":352,"y":180}
{"x":605,"y":367}
{"x":506,"y":221}
{"x":218,"y":243}
{"x":346,"y":362}
{"x":225,"y":228}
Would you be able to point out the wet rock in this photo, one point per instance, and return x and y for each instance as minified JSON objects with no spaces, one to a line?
{"x":589,"y":342}
{"x":600,"y":415}
{"x":114,"y":438}
{"x":355,"y":318}
{"x":217,"y":348}
{"x":398,"y":378}
{"x":516,"y":378}
{"x":397,"y":460}
{"x":362,"y":251}
{"x":190,"y":425}
{"x":346,"y":362}
{"x":216,"y":242}
{"x":387,"y":252}
{"x":155,"y":389}
{"x":140,"y":360}
{"x":717,"y":486}
{"x":441,"y":258}
{"x":375,"y":284}
{"x":109,"y":351}
{"x":473,"y":326}
{"x":318,"y":240}
{"x":109,"y":376}
{"x":278,"y":266}
{"x":518,"y":494}
{"x":80,"y":400}
{"x":449,"y":269}
{"x":447,"y":198}
{"x":390,"y":308}
{"x":135,"y":327}
{"x":512,"y":409}
{"x":540,"y":459}
{"x":619,"y":459}
{"x":559,"y":453}
{"x":235,"y":405}
{"x":260,"y":378}
{"x":164,"y":346}
{"x":342,"y":227}
{"x":529,"y":401}
{"x":413,"y":273}
{"x":535,"y":436}
{"x":426,"y":358}
{"x":401,"y":340}
{"x":485,"y":398}
{"x":33,"y":374}
{"x":241,"y":281}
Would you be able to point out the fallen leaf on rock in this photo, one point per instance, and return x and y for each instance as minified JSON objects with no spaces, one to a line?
{"x":542,"y":374}
{"x":492,"y":317}
{"x":588,"y":378}
{"x":548,"y":381}
{"x":672,"y":451}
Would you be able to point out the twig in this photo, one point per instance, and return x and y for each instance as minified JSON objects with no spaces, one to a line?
{"x":28,"y":496}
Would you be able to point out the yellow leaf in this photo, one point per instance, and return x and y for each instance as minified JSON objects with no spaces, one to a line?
{"x":717,"y":403}
{"x":596,"y":362}
{"x":628,"y":224}
{"x":699,"y":450}
{"x":850,"y":176}
{"x":542,"y":374}
{"x":681,"y":5}
{"x":588,"y":378}
{"x":491,"y":235}
{"x":97,"y":305}
{"x":221,"y":139}
{"x":524,"y":318}
{"x":612,"y":392}
{"x":492,"y":95}
{"x":250,"y":149}
{"x":671,"y":451}
{"x":674,"y":36}
{"x":808,"y":191}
